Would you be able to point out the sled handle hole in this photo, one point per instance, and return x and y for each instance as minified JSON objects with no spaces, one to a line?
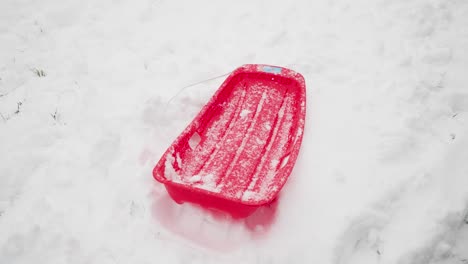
{"x":284,"y":161}
{"x":194,"y":140}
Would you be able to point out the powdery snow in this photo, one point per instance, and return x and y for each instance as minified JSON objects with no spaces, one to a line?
{"x":245,"y":112}
{"x":85,"y":114}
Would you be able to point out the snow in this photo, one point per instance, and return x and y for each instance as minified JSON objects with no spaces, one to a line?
{"x":245,"y":112}
{"x":195,"y":178}
{"x":169,"y":171}
{"x":85,"y":91}
{"x":207,"y":182}
{"x":194,"y":140}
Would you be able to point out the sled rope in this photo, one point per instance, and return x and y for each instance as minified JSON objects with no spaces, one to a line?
{"x":194,"y":84}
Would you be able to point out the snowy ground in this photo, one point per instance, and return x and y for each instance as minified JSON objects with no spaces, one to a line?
{"x":85,"y":90}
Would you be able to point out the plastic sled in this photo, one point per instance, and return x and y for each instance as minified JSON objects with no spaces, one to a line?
{"x":238,"y":152}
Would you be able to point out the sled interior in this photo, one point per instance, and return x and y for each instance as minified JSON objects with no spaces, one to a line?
{"x":243,"y":144}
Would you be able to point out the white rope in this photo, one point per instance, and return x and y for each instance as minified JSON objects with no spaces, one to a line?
{"x":193,"y":84}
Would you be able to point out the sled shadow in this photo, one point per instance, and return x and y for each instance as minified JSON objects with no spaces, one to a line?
{"x":212,"y":229}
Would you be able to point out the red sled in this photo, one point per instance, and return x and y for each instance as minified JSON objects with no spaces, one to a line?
{"x":238,"y":152}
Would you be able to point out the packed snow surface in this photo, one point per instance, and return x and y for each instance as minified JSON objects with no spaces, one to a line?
{"x":92,"y":93}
